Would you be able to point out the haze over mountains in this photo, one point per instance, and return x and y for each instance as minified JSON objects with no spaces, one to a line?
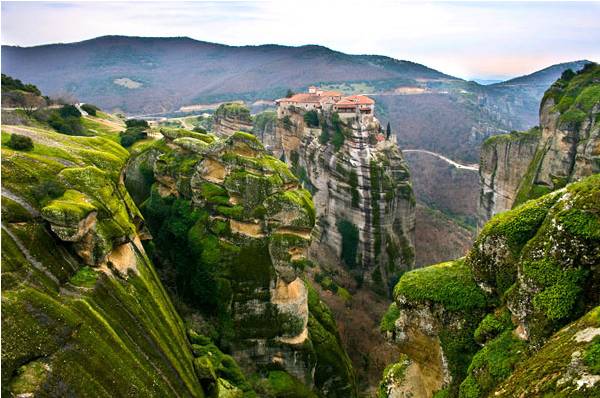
{"x":427,"y":108}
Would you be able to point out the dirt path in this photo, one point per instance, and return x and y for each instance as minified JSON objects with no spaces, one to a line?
{"x":472,"y":167}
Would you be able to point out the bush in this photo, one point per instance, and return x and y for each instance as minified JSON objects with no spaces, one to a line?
{"x":90,"y":109}
{"x":20,"y":142}
{"x":136,"y":123}
{"x":349,"y":234}
{"x":311,"y":118}
{"x":69,"y":111}
{"x":8,"y":83}
{"x":69,"y":125}
{"x":131,"y":136}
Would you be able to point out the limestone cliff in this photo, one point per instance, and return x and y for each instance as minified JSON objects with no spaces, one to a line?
{"x":360,"y":183}
{"x":490,"y":324}
{"x":521,"y":166}
{"x":503,"y":163}
{"x":230,"y":118}
{"x":231,"y":227}
{"x":83,"y":310}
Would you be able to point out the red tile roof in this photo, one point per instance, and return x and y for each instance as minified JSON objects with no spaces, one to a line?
{"x":301,"y":97}
{"x":355,"y":100}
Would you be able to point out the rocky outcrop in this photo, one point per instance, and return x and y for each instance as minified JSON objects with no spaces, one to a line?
{"x":361,"y":188}
{"x":521,"y":166}
{"x":83,"y":311}
{"x":533,"y":270}
{"x":504,"y":161}
{"x":230,"y":118}
{"x":233,"y":225}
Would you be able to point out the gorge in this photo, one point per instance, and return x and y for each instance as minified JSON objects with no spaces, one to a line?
{"x":255,"y":255}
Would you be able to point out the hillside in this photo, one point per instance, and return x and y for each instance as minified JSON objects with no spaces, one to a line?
{"x":144,"y":75}
{"x":427,"y":109}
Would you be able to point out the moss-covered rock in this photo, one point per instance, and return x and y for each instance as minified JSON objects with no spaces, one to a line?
{"x":231,"y":226}
{"x":560,"y":367}
{"x":107,"y":329}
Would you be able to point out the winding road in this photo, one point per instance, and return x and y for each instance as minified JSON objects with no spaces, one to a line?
{"x":471,"y":167}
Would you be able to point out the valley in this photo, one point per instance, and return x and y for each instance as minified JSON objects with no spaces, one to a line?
{"x":307,"y":233}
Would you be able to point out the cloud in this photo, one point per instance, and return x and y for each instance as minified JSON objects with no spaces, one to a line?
{"x":466,"y":39}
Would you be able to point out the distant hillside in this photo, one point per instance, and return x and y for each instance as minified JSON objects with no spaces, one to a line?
{"x":139,"y":76}
{"x":544,"y":77}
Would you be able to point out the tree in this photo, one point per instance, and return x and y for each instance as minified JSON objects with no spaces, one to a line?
{"x":69,"y":111}
{"x":388,"y":131}
{"x":289,"y":93}
{"x":20,"y":142}
{"x":567,"y":75}
{"x":90,"y":109}
{"x":136,"y":123}
{"x":311,"y":118}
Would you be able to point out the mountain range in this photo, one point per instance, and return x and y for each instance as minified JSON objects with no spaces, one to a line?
{"x":426,"y":108}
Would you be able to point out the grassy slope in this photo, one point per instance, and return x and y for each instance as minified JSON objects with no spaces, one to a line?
{"x":69,"y":329}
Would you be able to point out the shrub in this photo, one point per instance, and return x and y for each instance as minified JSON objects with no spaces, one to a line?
{"x":131,"y":136}
{"x":90,"y":109}
{"x":311,"y":118}
{"x":20,"y":142}
{"x":69,"y":111}
{"x":349,"y":234}
{"x":69,"y":125}
{"x":136,"y":123}
{"x":9,"y":83}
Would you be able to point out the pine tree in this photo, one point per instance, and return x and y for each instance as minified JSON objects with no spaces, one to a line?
{"x":388,"y":131}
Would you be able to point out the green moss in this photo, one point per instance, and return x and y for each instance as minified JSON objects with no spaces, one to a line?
{"x":591,"y":357}
{"x":349,"y":233}
{"x":393,"y":374}
{"x":531,"y":135}
{"x":539,"y":373}
{"x":519,"y":225}
{"x":85,"y":277}
{"x":493,"y":364}
{"x":559,"y":288}
{"x":72,"y":207}
{"x":450,"y":284}
{"x":492,"y":325}
{"x":333,"y":369}
{"x":389,"y":318}
{"x":282,"y":384}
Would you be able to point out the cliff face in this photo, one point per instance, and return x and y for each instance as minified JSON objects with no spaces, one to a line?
{"x":522,"y":166}
{"x":360,"y":184}
{"x":230,"y":118}
{"x":532,"y":271}
{"x":231,"y":229}
{"x":503,"y":163}
{"x":83,"y":310}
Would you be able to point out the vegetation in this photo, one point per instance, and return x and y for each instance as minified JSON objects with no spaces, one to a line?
{"x":20,"y":142}
{"x":450,"y":284}
{"x":9,"y":84}
{"x":574,"y":94}
{"x":90,"y":109}
{"x":349,"y":233}
{"x":311,"y":118}
{"x":389,"y":318}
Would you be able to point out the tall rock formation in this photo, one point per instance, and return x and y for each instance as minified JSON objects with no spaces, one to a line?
{"x":360,"y":183}
{"x":490,"y":324}
{"x":504,"y":161}
{"x":83,"y":310}
{"x":521,"y":166}
{"x":230,"y":118}
{"x":232,"y":225}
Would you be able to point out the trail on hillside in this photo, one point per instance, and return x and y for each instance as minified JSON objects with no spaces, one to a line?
{"x":472,"y":167}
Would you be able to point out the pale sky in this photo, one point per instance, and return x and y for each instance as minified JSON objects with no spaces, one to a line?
{"x":464,"y":39}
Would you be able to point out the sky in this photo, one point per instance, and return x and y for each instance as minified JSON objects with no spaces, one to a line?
{"x":485,"y":40}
